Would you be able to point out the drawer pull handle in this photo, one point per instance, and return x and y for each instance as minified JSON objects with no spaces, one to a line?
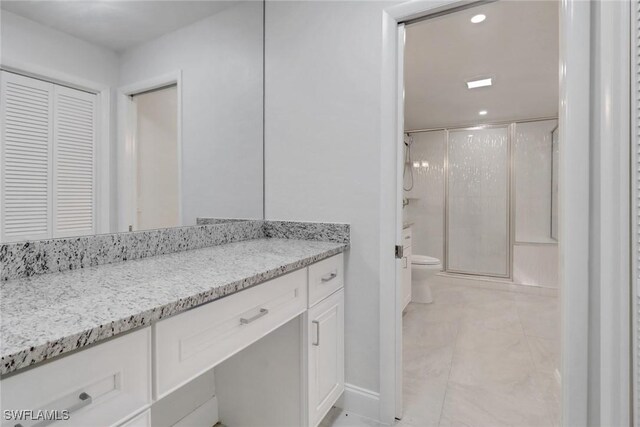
{"x":315,"y":322}
{"x":263,"y":312}
{"x":85,"y":399}
{"x":329,"y":277}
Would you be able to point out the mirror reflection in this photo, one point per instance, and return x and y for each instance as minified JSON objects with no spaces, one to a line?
{"x":129,"y":115}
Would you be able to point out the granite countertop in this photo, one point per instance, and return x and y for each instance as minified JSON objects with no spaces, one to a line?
{"x":49,"y":315}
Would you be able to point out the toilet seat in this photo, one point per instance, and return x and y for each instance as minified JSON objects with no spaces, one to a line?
{"x":424,"y":260}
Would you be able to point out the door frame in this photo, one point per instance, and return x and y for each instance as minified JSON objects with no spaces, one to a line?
{"x":575,"y":216}
{"x":127,"y":146}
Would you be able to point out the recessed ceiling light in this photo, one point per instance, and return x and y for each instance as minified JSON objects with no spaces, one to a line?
{"x":482,"y":112}
{"x":479,"y":83}
{"x":478,"y":18}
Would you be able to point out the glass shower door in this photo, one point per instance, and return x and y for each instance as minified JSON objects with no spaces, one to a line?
{"x":477,"y":219}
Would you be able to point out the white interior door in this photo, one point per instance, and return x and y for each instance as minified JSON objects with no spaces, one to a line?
{"x":157,"y":169}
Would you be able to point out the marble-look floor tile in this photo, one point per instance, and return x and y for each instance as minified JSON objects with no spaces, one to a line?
{"x":436,"y":312}
{"x":517,"y":404}
{"x":420,"y":330}
{"x":484,"y":357}
{"x":499,"y":315}
{"x":446,"y":294}
{"x":550,"y":390}
{"x":539,"y":315}
{"x":545,"y":353}
{"x":423,"y":399}
{"x":480,"y":296}
{"x":478,"y":357}
{"x":501,"y":364}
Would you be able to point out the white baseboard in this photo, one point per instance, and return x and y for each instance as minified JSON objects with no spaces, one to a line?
{"x":360,"y":401}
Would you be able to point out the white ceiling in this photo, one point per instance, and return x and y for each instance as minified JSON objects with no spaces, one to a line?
{"x":517,"y":45}
{"x":115,"y":24}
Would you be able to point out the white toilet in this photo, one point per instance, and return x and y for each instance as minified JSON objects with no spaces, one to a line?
{"x":422,"y":269}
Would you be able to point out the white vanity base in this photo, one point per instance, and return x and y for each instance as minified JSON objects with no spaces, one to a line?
{"x":271,"y":355}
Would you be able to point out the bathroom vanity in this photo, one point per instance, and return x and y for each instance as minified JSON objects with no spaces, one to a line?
{"x":241,"y":332}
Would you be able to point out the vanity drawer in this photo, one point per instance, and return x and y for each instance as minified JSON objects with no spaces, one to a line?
{"x":192,"y":342}
{"x":325,"y":277}
{"x":103,"y":385}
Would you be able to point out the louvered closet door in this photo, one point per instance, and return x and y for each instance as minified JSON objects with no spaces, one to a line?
{"x":26,"y":107}
{"x":74,"y":141}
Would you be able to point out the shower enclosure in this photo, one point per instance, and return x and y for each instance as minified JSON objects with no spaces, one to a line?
{"x":477,"y":201}
{"x":483,"y":196}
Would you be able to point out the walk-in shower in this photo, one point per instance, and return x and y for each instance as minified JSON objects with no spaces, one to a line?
{"x":483,"y":199}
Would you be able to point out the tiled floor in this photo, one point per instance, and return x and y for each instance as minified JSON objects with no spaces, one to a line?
{"x":480,"y":357}
{"x":477,"y":357}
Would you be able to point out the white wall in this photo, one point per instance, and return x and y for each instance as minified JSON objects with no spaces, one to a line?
{"x":221,"y":62}
{"x":536,"y":265}
{"x":31,"y":43}
{"x":323,"y":89}
{"x":48,"y":52}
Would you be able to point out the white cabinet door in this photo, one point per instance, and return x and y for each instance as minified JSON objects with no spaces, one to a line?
{"x":325,"y":328}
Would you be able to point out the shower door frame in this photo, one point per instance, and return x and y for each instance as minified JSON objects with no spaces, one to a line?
{"x":511,"y":126}
{"x":509,"y":200}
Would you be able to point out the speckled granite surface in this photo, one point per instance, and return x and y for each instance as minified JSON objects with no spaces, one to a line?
{"x":25,"y":259}
{"x":209,"y":221}
{"x":323,"y":231}
{"x":48,"y":315}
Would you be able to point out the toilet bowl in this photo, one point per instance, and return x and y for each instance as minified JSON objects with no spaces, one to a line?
{"x":422,"y":269}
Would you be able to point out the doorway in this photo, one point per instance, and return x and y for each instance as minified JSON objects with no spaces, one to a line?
{"x":481,"y":102}
{"x":156,"y":159}
{"x":149,"y":151}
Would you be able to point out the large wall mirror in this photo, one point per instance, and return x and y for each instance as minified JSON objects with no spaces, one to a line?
{"x":129,"y":115}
